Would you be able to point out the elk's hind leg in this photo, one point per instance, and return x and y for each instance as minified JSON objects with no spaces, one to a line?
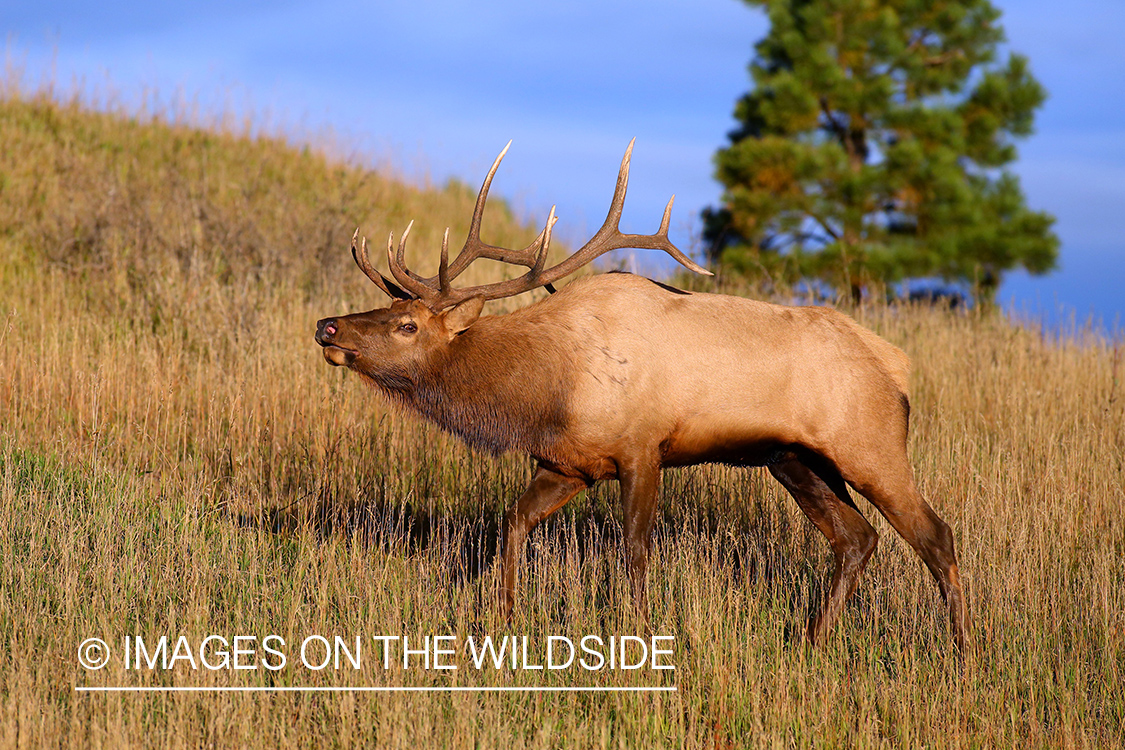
{"x":895,"y":495}
{"x":547,"y":492}
{"x":823,"y":497}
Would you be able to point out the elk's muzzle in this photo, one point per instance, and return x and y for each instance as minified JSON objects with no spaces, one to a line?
{"x":334,"y":354}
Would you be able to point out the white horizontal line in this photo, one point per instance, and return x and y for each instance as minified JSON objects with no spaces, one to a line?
{"x":374,"y":689}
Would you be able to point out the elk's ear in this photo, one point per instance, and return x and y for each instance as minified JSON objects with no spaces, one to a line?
{"x":461,"y":316}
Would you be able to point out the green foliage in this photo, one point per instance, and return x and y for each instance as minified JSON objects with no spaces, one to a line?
{"x":873,"y":148}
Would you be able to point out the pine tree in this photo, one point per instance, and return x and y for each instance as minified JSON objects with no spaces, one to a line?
{"x":873,"y":148}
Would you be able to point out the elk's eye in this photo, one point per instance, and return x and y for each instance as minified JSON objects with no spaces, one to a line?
{"x":408,"y":328}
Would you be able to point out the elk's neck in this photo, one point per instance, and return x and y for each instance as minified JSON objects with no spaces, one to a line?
{"x":499,"y":389}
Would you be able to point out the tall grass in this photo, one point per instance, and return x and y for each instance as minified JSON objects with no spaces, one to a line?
{"x":176,"y":458}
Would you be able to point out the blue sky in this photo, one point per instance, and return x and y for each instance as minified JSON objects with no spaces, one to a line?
{"x":434,"y":89}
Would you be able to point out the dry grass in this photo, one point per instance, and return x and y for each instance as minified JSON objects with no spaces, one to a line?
{"x":176,"y":458}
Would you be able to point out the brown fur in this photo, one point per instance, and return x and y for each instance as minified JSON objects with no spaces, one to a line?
{"x":616,"y":377}
{"x":489,"y":388}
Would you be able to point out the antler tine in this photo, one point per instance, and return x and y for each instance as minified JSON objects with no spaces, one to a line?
{"x":470,"y":251}
{"x":401,"y":255}
{"x":482,"y":196}
{"x":663,"y":231}
{"x":443,"y":268}
{"x":408,"y":280}
{"x":541,"y":259}
{"x":361,"y":259}
{"x":617,"y":205}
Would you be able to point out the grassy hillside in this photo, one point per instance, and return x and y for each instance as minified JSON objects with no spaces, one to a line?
{"x":176,"y":458}
{"x":132,"y":201}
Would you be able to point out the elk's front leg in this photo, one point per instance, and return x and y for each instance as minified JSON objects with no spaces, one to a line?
{"x":547,"y":492}
{"x":640,"y":480}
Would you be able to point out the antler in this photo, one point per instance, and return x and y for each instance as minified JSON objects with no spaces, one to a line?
{"x":381,"y":281}
{"x":437,"y":291}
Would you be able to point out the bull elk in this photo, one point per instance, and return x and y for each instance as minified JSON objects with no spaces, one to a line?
{"x":616,"y":377}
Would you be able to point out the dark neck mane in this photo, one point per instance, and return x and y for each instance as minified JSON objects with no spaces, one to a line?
{"x":499,"y":386}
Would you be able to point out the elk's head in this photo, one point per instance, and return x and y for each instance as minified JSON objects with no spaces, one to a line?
{"x":393,"y":341}
{"x":389,"y":344}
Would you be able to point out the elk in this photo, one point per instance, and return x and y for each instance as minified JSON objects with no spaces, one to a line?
{"x":616,"y":377}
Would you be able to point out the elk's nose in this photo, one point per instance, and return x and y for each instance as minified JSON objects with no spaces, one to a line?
{"x":325,"y":331}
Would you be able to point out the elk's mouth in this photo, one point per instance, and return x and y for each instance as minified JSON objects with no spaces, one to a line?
{"x":338,"y":356}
